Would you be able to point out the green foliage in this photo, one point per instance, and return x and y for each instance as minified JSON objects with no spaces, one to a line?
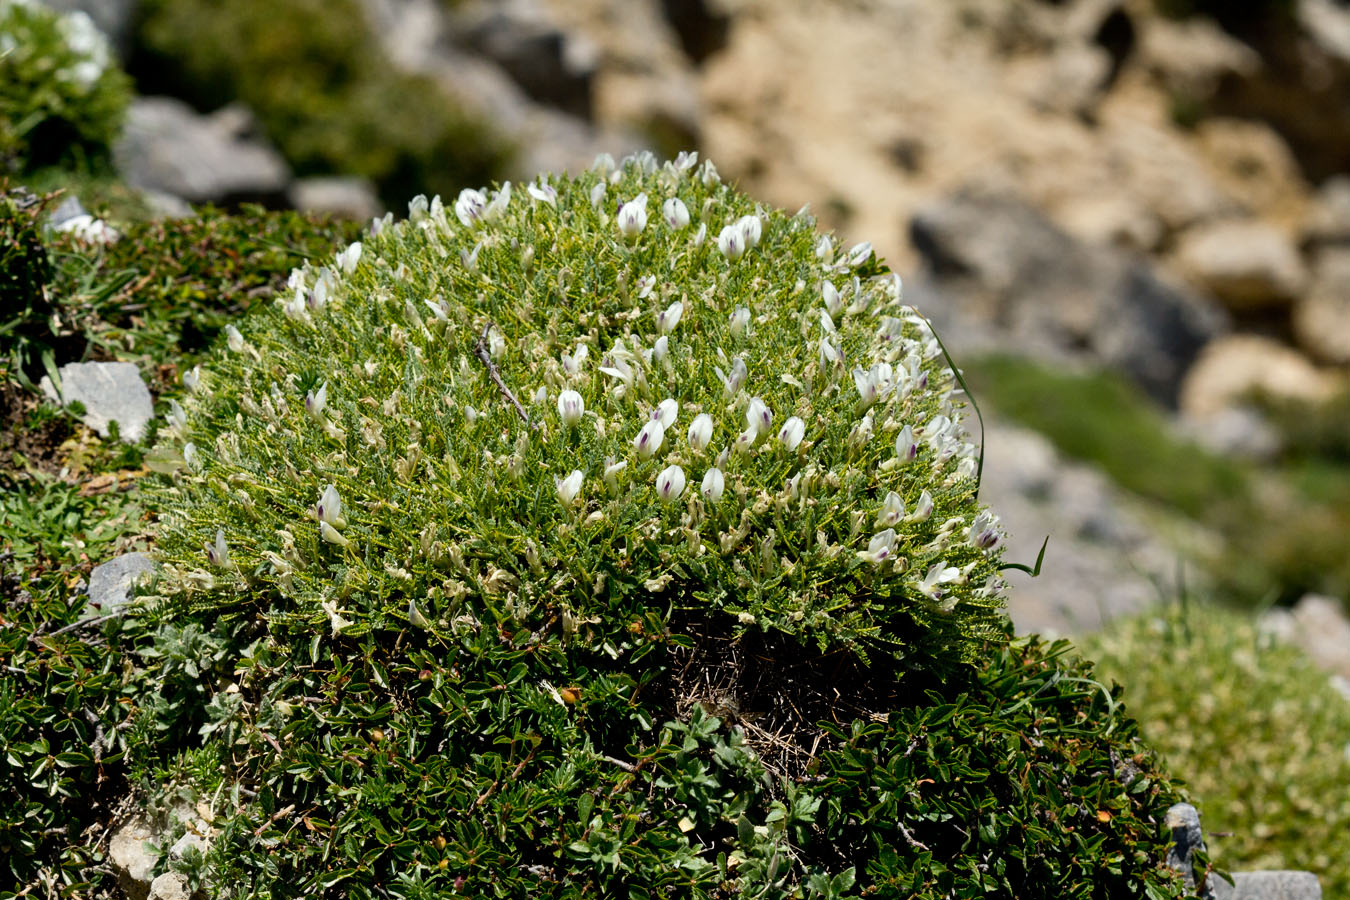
{"x":62,"y":97}
{"x":425,"y":661}
{"x":312,"y":72}
{"x":1259,"y":733}
{"x":25,"y":269}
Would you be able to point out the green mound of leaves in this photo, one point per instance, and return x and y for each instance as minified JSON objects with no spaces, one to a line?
{"x":62,"y":96}
{"x":1261,"y":735}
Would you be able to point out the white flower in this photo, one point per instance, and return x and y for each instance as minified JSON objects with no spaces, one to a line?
{"x":670,"y":483}
{"x":645,"y":285}
{"x":569,"y":488}
{"x":752,"y":228}
{"x":315,"y":401}
{"x":469,"y":258}
{"x":790,"y":435}
{"x":190,"y":456}
{"x":834,"y":304}
{"x":603,"y":165}
{"x":731,"y":384}
{"x":892,"y":510}
{"x":649,"y":439}
{"x":675,"y":213}
{"x":713,"y":483}
{"x":709,"y":175}
{"x":939,"y":574}
{"x":332,"y":535}
{"x":867,"y":387}
{"x":740,"y":321}
{"x":700,"y":432}
{"x":758,"y":416}
{"x":417,"y":207}
{"x":633,"y":217}
{"x":497,"y":205}
{"x":830,"y":358}
{"x":684,"y":161}
{"x":660,"y":349}
{"x":824,"y":249}
{"x":859,"y":254}
{"x":177,"y":417}
{"x":666,"y":411}
{"x":923,"y":509}
{"x":218,"y":554}
{"x":415,"y":617}
{"x":543,"y":191}
{"x":598,"y":195}
{"x":570,"y":407}
{"x":880,"y":548}
{"x":670,"y":317}
{"x":348,"y":258}
{"x":731,"y":242}
{"x":700,"y":235}
{"x":89,"y":230}
{"x":613,"y":473}
{"x":329,"y":507}
{"x":470,"y":206}
{"x":192,"y":378}
{"x":983,"y":534}
{"x":233,"y":339}
{"x":571,"y":362}
{"x":905,"y":446}
{"x":826,"y":323}
{"x":335,"y":618}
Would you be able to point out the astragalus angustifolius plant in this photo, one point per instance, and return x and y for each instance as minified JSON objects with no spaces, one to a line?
{"x":580,"y":540}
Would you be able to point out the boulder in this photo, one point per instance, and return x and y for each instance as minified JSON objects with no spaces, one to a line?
{"x":346,"y":196}
{"x":110,"y":583}
{"x":170,"y":886}
{"x":1322,"y":315}
{"x":168,"y":147}
{"x":997,"y":260}
{"x":1191,"y":57}
{"x":110,"y":392}
{"x":1233,"y":367}
{"x":1321,"y":628}
{"x":133,"y":857}
{"x":1328,"y":217}
{"x":1246,"y":264}
{"x":1273,"y":885}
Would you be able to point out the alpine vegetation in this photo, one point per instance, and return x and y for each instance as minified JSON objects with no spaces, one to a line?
{"x":570,"y":552}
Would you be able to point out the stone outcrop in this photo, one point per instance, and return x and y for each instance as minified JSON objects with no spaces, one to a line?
{"x":110,"y":392}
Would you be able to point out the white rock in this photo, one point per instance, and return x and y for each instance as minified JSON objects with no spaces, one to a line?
{"x":170,"y":886}
{"x":133,"y":858}
{"x":110,"y":392}
{"x":1245,"y":264}
{"x":1232,"y":367}
{"x":110,"y":583}
{"x":1322,"y":315}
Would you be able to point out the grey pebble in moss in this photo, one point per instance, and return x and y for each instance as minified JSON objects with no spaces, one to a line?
{"x":110,"y":584}
{"x":110,"y":392}
{"x":1274,"y":885}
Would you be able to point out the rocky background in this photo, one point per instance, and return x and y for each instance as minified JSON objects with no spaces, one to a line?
{"x":1153,"y":187}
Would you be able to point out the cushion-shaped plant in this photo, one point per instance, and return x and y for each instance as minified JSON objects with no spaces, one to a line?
{"x":583,"y":540}
{"x":62,"y":96}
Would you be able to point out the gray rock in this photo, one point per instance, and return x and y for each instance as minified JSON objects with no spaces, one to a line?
{"x":350,"y":197}
{"x":1238,"y":431}
{"x":168,"y":147}
{"x":991,"y":258}
{"x":1273,"y":885}
{"x":170,"y":886}
{"x":189,"y":841}
{"x":110,"y":392}
{"x":1245,"y":264}
{"x":1322,"y":315}
{"x":133,"y":858}
{"x":67,"y":209}
{"x":110,"y":584}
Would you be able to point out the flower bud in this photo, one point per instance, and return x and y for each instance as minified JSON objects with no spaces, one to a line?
{"x":713,"y":483}
{"x":700,"y":432}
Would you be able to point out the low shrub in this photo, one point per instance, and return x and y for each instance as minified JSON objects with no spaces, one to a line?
{"x":1261,"y":735}
{"x":566,"y":545}
{"x":62,"y":96}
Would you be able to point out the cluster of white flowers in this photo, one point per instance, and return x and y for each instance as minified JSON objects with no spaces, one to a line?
{"x":88,"y":46}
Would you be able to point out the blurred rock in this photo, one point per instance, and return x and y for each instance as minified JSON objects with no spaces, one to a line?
{"x":69,"y":208}
{"x":133,"y":858}
{"x":701,"y":26}
{"x":170,"y":886}
{"x":110,"y":583}
{"x":1237,"y":431}
{"x":1254,"y":166}
{"x":1246,"y":264}
{"x":997,"y":260}
{"x":168,"y":147}
{"x":1273,"y":885}
{"x":1233,"y":367}
{"x":346,"y":196}
{"x":1072,"y":80}
{"x":1328,"y":218}
{"x":110,"y":392}
{"x":1322,"y":315}
{"x":1321,"y":628}
{"x":522,"y":37}
{"x":1191,"y":57}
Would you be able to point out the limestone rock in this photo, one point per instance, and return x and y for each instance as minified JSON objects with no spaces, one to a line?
{"x":110,"y":583}
{"x":1322,"y":315}
{"x":348,"y":196}
{"x":110,"y":392}
{"x":133,"y":858}
{"x":1328,"y":218}
{"x":1321,"y":628}
{"x":1191,"y":57}
{"x":170,"y":886}
{"x":1273,"y":885}
{"x":1072,"y":79}
{"x":1238,"y":431}
{"x":1246,"y":264}
{"x":168,"y":147}
{"x":1233,"y":367}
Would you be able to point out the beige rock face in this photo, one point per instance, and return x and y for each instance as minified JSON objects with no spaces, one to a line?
{"x":1322,"y":316}
{"x":1232,"y":367}
{"x":132,"y":858}
{"x":1246,"y":264}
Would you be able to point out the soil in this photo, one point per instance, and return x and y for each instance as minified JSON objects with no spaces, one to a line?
{"x":26,"y":448}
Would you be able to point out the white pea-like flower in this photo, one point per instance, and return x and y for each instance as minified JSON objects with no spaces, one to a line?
{"x":740,"y":322}
{"x":190,"y":456}
{"x":177,"y":418}
{"x":713,"y":483}
{"x":826,"y":322}
{"x":650,"y":438}
{"x":668,"y":318}
{"x":233,"y":339}
{"x":316,"y":401}
{"x":218,"y":553}
{"x":731,"y":242}
{"x":830,"y":357}
{"x":329,"y":507}
{"x":922,"y":509}
{"x":542,"y":191}
{"x":614,"y":473}
{"x":569,"y":488}
{"x":892,"y":511}
{"x":984,"y":533}
{"x":192,"y":378}
{"x":792,"y":432}
{"x":753,"y":229}
{"x":675,"y":213}
{"x":598,"y":195}
{"x":670,"y":483}
{"x":880,"y":548}
{"x":758,"y":416}
{"x":332,"y":535}
{"x":501,"y":198}
{"x":348,"y":258}
{"x":731,"y":384}
{"x":666,"y":412}
{"x":632,"y":217}
{"x":469,"y":206}
{"x":825,"y":249}
{"x":834,"y":304}
{"x":571,"y":407}
{"x":906,"y":448}
{"x":645,"y":285}
{"x":700,"y":235}
{"x":938,"y":575}
{"x":603,"y":164}
{"x":859,"y":254}
{"x":700,"y":432}
{"x":660,"y":350}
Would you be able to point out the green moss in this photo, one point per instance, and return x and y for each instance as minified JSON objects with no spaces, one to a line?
{"x":311,"y":71}
{"x":1258,"y":732}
